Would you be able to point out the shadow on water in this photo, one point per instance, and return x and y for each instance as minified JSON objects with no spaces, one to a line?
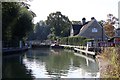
{"x":13,"y":67}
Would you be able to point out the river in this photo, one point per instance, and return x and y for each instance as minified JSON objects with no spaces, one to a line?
{"x":49,"y":63}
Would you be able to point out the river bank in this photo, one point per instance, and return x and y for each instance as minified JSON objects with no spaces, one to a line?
{"x":9,"y":51}
{"x":103,"y":65}
{"x":109,"y":62}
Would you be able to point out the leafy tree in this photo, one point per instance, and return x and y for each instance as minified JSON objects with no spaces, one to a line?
{"x":59,"y":24}
{"x":109,"y":29}
{"x":41,"y":32}
{"x":16,"y":21}
{"x":110,"y":24}
{"x":9,"y":13}
{"x":23,"y":25}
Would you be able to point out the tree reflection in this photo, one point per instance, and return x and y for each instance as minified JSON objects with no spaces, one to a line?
{"x":13,"y":67}
{"x":60,"y":63}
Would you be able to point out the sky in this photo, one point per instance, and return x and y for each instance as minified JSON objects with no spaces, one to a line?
{"x":75,"y":9}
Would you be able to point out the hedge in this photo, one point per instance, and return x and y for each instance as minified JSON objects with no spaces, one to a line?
{"x":76,"y":40}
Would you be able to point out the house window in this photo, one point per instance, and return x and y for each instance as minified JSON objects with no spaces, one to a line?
{"x":94,"y":30}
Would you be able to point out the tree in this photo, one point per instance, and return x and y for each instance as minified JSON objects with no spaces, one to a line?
{"x":23,"y":25}
{"x":109,"y":29}
{"x":16,"y":22}
{"x":41,"y":32}
{"x":110,"y":24}
{"x":9,"y":13}
{"x":59,"y":24}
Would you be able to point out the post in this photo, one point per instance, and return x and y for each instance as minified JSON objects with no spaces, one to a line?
{"x":30,"y":44}
{"x":20,"y":44}
{"x":87,"y":48}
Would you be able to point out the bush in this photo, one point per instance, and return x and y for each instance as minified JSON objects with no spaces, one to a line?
{"x":76,"y":40}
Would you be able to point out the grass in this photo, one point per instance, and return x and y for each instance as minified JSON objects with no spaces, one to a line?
{"x":112,"y":55}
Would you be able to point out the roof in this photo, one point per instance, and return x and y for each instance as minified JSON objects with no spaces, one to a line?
{"x":85,"y":27}
{"x":76,"y":28}
{"x":86,"y":30}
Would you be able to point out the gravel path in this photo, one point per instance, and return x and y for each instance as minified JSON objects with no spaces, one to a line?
{"x":103,"y":65}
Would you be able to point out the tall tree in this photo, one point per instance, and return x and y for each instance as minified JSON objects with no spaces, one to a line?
{"x":60,"y":24}
{"x":42,"y":31}
{"x":16,"y":21}
{"x":9,"y":13}
{"x":23,"y":25}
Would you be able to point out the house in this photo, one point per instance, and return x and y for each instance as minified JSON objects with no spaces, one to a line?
{"x":75,"y":29}
{"x":93,"y":30}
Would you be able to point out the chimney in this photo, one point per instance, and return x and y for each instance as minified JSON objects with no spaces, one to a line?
{"x":92,"y":18}
{"x":83,"y":21}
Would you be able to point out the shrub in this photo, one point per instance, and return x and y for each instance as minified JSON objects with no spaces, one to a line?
{"x":76,"y":40}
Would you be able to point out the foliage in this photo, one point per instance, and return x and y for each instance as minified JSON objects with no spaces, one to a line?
{"x":110,"y":25}
{"x":16,"y":21}
{"x":23,"y":25}
{"x":9,"y":14}
{"x":41,"y":32}
{"x":51,"y":37}
{"x":59,"y":24}
{"x":113,"y":57}
{"x":109,"y":29}
{"x":76,"y":40}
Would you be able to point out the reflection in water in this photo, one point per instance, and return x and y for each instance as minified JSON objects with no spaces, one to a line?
{"x":49,"y":63}
{"x":13,"y":67}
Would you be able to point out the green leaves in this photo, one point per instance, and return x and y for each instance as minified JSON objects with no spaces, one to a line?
{"x":74,"y":40}
{"x":60,"y":24}
{"x":16,"y":21}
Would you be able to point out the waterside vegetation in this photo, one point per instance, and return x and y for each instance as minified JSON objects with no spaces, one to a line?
{"x":75,"y":40}
{"x":112,"y":57}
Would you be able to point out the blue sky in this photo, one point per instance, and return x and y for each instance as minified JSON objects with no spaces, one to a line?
{"x":75,"y":9}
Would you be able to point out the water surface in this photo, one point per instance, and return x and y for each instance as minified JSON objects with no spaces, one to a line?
{"x":49,"y":63}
